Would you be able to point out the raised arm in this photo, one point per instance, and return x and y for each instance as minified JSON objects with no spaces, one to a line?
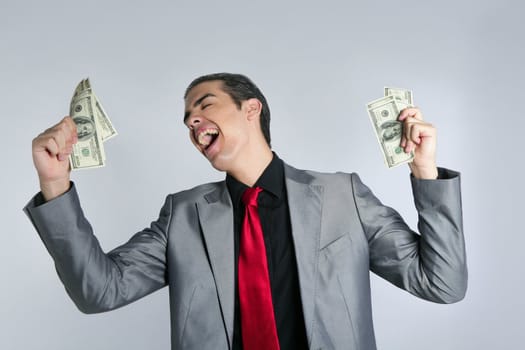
{"x":431,"y":264}
{"x":96,"y":281}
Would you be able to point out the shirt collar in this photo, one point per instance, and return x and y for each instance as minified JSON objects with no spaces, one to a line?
{"x":271,"y":180}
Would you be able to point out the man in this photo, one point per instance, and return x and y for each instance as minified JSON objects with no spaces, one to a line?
{"x":317,"y":235}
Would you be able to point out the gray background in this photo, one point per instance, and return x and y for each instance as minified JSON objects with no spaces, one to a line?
{"x":318,"y":63}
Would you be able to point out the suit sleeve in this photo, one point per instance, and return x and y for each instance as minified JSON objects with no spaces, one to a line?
{"x":431,"y":264}
{"x":96,"y":281}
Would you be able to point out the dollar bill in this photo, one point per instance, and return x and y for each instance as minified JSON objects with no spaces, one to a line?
{"x":88,"y":152}
{"x":106,"y":129}
{"x":383,"y":115}
{"x":402,"y":96}
{"x":93,"y":128}
{"x":83,"y":87}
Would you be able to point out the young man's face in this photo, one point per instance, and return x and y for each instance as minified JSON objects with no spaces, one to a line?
{"x":218,"y":129}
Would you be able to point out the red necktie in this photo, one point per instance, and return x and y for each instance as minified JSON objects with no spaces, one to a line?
{"x":255,"y":296}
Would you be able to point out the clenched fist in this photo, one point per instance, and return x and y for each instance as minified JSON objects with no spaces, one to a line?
{"x":420,"y":137}
{"x":51,"y":150}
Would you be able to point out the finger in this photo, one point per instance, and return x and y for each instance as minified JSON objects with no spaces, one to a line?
{"x":73,"y":129}
{"x":410,"y":146}
{"x":63,"y":137}
{"x":61,"y":142}
{"x":410,"y":112}
{"x":46,"y":143}
{"x":407,"y":125}
{"x":68,"y":126}
{"x":421,"y":130}
{"x":66,"y":152}
{"x":415,"y":134}
{"x":406,"y":143}
{"x":403,"y":141}
{"x":410,"y":125}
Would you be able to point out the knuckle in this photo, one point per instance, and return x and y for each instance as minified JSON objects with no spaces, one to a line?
{"x":63,"y":127}
{"x":50,"y":145}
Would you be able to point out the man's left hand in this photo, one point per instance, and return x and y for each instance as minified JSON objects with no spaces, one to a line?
{"x":420,"y":137}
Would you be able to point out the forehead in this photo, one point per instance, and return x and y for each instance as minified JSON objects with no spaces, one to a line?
{"x":208,"y":87}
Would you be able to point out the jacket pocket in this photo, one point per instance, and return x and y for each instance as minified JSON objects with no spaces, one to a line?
{"x":337,"y":246}
{"x":203,"y":326}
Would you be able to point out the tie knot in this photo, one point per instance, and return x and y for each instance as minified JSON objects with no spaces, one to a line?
{"x":249,"y":197}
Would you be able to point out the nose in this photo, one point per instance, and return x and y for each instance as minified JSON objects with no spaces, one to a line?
{"x":194,"y":121}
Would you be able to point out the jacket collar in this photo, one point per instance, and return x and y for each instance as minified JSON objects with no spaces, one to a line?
{"x":215,"y":213}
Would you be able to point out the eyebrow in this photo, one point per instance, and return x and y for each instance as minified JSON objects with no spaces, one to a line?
{"x":196,"y":103}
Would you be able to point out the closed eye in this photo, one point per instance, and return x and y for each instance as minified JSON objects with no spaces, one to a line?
{"x":206,"y":106}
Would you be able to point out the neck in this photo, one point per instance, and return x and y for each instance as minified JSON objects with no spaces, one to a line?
{"x":252,"y":166}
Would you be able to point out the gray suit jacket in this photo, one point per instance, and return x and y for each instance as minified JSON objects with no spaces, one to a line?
{"x":340,"y":232}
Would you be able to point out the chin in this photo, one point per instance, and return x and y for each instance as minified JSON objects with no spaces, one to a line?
{"x":217,"y":164}
{"x":218,"y":167}
{"x":222,"y":163}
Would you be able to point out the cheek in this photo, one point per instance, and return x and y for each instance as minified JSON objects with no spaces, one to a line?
{"x":235,"y":136}
{"x":233,"y":130}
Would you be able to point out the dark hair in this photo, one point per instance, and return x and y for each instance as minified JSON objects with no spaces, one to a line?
{"x":240,"y":88}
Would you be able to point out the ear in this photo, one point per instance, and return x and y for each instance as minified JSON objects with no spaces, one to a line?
{"x":253,"y":108}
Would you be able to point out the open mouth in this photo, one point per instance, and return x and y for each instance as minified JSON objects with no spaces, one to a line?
{"x":207,"y":137}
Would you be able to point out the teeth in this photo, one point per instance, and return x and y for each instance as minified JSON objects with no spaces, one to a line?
{"x":205,"y":136}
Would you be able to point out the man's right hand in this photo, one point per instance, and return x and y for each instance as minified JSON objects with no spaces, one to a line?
{"x":51,"y":150}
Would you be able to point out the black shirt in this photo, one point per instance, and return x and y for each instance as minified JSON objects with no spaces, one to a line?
{"x":282,"y":267}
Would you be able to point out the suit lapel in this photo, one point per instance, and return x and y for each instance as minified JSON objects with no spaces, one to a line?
{"x":216,"y":218}
{"x":215,"y":213}
{"x":305,"y":203}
